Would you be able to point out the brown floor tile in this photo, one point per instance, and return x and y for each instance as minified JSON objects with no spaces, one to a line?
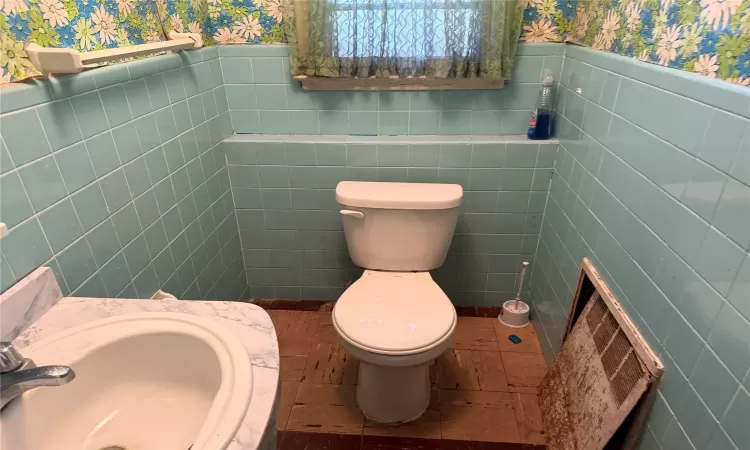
{"x":529,"y":418}
{"x":478,"y":416}
{"x":524,"y":371}
{"x":289,"y":346}
{"x":331,"y":364}
{"x":292,"y":367}
{"x":456,"y":370}
{"x":294,"y":323}
{"x":472,"y":369}
{"x":475,"y":333}
{"x":487,"y":400}
{"x":295,"y":330}
{"x":472,"y":411}
{"x":297,"y":440}
{"x":466,"y":311}
{"x":298,"y":305}
{"x":434,"y":373}
{"x":325,"y":331}
{"x":262,"y":302}
{"x":279,"y":321}
{"x":490,"y":370}
{"x":326,"y":408}
{"x":327,"y":307}
{"x":297,"y":322}
{"x":434,"y":400}
{"x":427,"y":426}
{"x":288,"y":392}
{"x":478,"y":311}
{"x":529,"y":340}
{"x":399,"y":443}
{"x":449,"y":444}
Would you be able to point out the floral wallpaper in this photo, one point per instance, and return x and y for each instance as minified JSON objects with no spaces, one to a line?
{"x":246,"y":21}
{"x":83,"y":24}
{"x":547,"y":20}
{"x":709,"y":37}
{"x":97,"y":24}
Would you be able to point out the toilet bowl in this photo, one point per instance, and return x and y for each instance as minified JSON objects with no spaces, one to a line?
{"x":395,"y":319}
{"x":395,"y":324}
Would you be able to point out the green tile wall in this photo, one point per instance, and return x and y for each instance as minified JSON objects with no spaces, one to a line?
{"x":264,"y":99}
{"x":652,"y":183}
{"x":114,"y":179}
{"x":290,"y":227}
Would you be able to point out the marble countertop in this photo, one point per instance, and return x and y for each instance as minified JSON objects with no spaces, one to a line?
{"x":248,"y":322}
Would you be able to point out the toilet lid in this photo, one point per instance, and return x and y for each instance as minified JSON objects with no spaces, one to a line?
{"x":394,"y":312}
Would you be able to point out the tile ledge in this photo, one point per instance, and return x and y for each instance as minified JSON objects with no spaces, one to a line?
{"x":403,"y":139}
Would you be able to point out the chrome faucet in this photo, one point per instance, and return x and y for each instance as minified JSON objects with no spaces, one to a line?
{"x":19,"y":374}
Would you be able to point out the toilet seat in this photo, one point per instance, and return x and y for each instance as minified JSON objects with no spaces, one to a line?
{"x":394,"y":313}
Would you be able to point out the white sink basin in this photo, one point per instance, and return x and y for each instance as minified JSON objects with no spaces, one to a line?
{"x":161,"y":381}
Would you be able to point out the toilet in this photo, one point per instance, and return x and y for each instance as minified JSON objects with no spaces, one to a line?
{"x":395,"y":319}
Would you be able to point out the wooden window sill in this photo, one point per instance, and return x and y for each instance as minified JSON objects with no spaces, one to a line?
{"x":397,"y":84}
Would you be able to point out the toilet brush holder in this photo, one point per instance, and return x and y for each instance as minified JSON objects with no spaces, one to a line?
{"x":515,"y":313}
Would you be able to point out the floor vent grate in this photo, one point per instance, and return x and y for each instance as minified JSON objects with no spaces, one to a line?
{"x":599,"y":388}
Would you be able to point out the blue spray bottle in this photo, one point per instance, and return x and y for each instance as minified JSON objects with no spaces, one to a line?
{"x":540,"y":125}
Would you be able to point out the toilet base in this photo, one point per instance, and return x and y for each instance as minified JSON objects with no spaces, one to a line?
{"x":388,"y":394}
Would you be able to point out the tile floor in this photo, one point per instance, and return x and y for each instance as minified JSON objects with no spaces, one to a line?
{"x":483,"y":397}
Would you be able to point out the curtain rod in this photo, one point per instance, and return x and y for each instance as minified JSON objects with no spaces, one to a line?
{"x":69,"y":60}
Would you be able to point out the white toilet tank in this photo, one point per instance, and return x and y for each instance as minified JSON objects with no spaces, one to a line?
{"x":398,"y":226}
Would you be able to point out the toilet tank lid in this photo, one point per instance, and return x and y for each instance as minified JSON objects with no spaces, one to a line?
{"x":372,"y":194}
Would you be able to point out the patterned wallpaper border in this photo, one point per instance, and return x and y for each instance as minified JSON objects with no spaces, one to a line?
{"x":708,"y":37}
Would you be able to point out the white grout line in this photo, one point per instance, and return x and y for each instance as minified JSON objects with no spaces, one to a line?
{"x":167,"y":248}
{"x":12,"y":274}
{"x":38,"y":213}
{"x":7,"y":152}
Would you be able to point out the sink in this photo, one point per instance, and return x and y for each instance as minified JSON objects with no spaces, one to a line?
{"x":165,"y":381}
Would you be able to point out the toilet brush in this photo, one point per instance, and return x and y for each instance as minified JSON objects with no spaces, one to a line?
{"x":515,"y":313}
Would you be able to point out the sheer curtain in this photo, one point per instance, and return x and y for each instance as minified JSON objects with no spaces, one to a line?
{"x":404,"y":38}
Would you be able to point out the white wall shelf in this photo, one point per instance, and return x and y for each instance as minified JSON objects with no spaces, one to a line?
{"x":69,"y":60}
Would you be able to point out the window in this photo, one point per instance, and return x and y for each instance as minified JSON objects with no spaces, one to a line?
{"x":436,"y":40}
{"x":403,"y":28}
